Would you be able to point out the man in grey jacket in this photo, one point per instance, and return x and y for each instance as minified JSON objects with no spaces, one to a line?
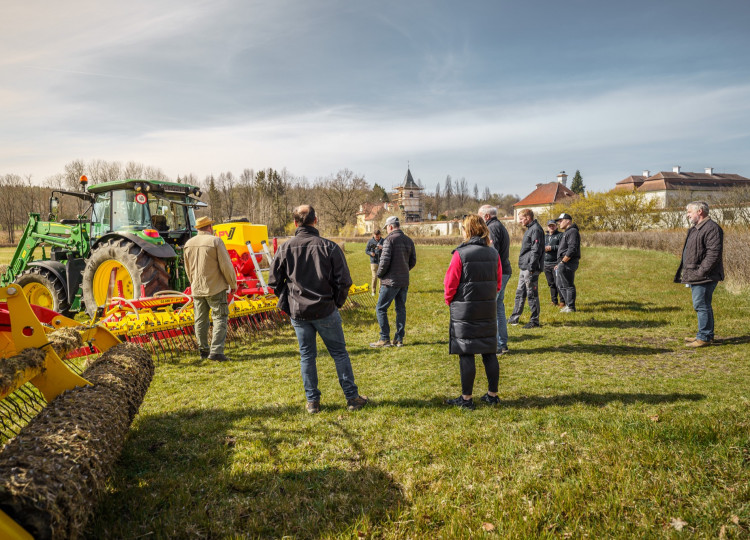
{"x":702,"y":267}
{"x":530,"y":266}
{"x":397,"y":258}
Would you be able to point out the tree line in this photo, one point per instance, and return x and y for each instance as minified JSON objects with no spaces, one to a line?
{"x":265,"y":196}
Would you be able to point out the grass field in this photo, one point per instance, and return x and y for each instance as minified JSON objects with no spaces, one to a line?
{"x":608,"y":426}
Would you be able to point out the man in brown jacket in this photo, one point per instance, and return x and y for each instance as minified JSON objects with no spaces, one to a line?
{"x":702,"y":268}
{"x":211,"y":275}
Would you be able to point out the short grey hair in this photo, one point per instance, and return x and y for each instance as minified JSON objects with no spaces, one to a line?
{"x":698,"y":205}
{"x":487,"y":209}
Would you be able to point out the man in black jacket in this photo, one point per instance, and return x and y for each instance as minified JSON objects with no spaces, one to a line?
{"x":702,"y":267}
{"x":551,"y":243}
{"x":530,"y":266}
{"x":373,"y":248}
{"x":568,"y":257}
{"x":311,"y":279}
{"x":396,"y":260}
{"x":501,"y":242}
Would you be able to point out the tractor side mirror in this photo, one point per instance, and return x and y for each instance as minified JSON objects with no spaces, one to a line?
{"x":54,"y":204}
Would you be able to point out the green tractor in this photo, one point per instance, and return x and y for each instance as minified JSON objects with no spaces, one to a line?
{"x":127,"y":244}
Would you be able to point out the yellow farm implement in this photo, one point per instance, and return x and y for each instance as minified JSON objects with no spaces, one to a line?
{"x":61,"y":428}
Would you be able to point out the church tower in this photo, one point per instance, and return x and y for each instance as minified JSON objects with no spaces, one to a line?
{"x":409,"y":198}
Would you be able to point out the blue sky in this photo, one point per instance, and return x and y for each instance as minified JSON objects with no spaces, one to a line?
{"x":505,"y":94}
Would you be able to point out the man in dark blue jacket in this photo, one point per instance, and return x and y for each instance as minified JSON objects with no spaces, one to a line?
{"x":568,"y":256}
{"x":501,"y":242}
{"x":530,"y":266}
{"x":311,"y":279}
{"x":396,"y":260}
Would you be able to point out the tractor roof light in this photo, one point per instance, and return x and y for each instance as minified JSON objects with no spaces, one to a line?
{"x":83,"y":181}
{"x":148,"y":187}
{"x":138,"y":187}
{"x":152,"y":233}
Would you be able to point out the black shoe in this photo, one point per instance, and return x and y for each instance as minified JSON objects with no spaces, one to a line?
{"x":532,"y":325}
{"x":219,"y":358}
{"x":502,"y":350}
{"x":514,"y":322}
{"x":398,"y":343}
{"x":490,"y":400}
{"x":313,"y":407}
{"x":204,"y":355}
{"x":461,"y":403}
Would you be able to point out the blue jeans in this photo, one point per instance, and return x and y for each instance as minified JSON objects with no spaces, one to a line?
{"x":332,"y":334}
{"x":388,"y":295}
{"x":702,"y":296}
{"x":502,"y":321}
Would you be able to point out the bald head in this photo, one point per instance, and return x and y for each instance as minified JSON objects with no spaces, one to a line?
{"x":304,"y":214}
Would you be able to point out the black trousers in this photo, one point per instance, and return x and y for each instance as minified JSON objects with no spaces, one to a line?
{"x":469,"y":372}
{"x":549,"y":273}
{"x":566,"y":274}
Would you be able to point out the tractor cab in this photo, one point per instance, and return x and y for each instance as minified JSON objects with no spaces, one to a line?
{"x":156,"y":212}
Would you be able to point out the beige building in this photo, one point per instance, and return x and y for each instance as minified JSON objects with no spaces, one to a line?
{"x":545,"y":196}
{"x":369,"y":215}
{"x":675,"y":188}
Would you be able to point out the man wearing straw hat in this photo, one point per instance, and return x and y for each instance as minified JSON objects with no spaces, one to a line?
{"x":211,"y":275}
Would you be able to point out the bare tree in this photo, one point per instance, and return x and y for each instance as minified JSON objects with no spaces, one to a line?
{"x":461,"y":189}
{"x":225,"y":184}
{"x":341,"y":195}
{"x":448,"y":191}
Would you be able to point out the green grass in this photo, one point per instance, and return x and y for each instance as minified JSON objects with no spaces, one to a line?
{"x":608,"y":426}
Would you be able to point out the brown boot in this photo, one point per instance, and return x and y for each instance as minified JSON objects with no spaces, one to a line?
{"x":698,"y":343}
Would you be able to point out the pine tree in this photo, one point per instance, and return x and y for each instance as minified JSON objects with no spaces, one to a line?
{"x":577,"y":186}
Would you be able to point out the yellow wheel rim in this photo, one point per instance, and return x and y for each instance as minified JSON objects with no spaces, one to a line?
{"x":123,"y":281}
{"x":39,"y":295}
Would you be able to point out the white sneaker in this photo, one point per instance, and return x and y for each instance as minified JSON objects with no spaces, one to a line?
{"x":566,"y":309}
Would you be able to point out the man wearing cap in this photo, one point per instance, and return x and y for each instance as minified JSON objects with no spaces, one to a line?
{"x":530,"y":265}
{"x":501,"y":242}
{"x":551,"y":243}
{"x":311,"y":279}
{"x":397,"y":258}
{"x":211,"y":275}
{"x":568,"y":256}
{"x":702,"y":267}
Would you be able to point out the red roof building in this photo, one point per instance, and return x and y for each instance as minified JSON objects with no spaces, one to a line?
{"x":545,"y":196}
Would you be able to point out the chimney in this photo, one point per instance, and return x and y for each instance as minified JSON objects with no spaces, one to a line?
{"x":646,"y":173}
{"x":709,"y":171}
{"x":539,"y":185}
{"x":676,"y":169}
{"x":562,"y":178}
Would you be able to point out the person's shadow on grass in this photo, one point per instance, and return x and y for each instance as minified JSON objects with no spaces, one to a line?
{"x":220,"y":472}
{"x":562,"y":400}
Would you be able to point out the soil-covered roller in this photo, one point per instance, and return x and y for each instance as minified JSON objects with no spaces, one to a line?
{"x":53,"y":472}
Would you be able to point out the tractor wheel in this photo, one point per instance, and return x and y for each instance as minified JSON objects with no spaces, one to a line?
{"x":132,"y":268}
{"x":43,"y":288}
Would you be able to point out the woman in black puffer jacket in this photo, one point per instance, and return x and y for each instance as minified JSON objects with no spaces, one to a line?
{"x":474,"y":276}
